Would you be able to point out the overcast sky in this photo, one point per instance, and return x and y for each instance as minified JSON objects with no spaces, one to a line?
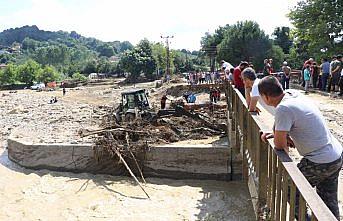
{"x":133,"y":20}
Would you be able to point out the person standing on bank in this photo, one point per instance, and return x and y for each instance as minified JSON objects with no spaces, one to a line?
{"x":307,"y":78}
{"x":286,"y":75}
{"x":315,"y":74}
{"x":163,"y":101}
{"x":300,"y":124}
{"x":325,"y":67}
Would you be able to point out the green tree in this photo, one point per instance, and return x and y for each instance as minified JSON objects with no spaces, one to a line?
{"x":125,"y":45}
{"x":6,"y":58}
{"x":8,"y":75}
{"x":90,"y":67}
{"x":278,"y":56}
{"x":319,"y":23}
{"x":244,"y":41}
{"x":105,"y":50}
{"x":139,"y":60}
{"x":28,"y":72}
{"x":148,"y":63}
{"x":29,"y":44}
{"x":283,"y":38}
{"x":78,"y":76}
{"x":159,"y":53}
{"x":104,"y":66}
{"x":48,"y":74}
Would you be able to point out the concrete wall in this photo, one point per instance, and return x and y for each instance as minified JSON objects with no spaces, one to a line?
{"x":194,"y":162}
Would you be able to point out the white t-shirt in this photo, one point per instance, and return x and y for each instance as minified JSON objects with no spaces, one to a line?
{"x":306,"y":126}
{"x":227,"y":66}
{"x":256,"y":93}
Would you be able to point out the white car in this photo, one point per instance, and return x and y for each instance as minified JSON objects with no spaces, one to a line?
{"x":38,"y":86}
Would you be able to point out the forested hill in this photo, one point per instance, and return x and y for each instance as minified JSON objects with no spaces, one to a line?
{"x":32,"y":37}
{"x":8,"y":37}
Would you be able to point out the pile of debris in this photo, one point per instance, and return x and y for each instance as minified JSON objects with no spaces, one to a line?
{"x":127,"y":142}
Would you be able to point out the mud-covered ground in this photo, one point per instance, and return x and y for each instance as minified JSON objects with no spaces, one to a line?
{"x":332,"y":110}
{"x":46,"y":195}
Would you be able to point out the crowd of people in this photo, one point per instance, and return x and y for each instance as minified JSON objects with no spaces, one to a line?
{"x":328,"y":76}
{"x":297,"y":122}
{"x":200,"y":77}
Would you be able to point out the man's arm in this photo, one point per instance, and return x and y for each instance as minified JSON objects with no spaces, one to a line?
{"x":336,"y":69}
{"x":247,"y":96}
{"x":253,"y":103}
{"x":280,"y":140}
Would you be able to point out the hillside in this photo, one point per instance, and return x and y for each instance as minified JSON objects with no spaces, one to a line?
{"x":32,"y":37}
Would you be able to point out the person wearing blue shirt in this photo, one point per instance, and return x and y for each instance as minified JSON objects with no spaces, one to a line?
{"x":325,"y":67}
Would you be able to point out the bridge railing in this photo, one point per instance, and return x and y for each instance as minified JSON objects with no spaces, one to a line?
{"x":271,"y":174}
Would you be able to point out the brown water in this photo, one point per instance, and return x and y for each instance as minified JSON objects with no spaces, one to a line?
{"x":45,"y":195}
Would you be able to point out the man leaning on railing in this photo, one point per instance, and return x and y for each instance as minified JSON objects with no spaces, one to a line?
{"x":252,"y":95}
{"x":299,"y":124}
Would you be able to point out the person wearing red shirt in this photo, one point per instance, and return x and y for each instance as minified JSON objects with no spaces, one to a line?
{"x":237,"y":77}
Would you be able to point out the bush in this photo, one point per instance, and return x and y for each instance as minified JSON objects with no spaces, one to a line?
{"x":78,"y":76}
{"x":48,"y":74}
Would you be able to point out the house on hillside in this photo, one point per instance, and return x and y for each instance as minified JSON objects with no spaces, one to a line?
{"x":97,"y":76}
{"x":3,"y":66}
{"x":93,"y":76}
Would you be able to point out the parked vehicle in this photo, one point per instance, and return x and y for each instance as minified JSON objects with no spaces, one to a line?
{"x":134,"y":102}
{"x":38,"y":86}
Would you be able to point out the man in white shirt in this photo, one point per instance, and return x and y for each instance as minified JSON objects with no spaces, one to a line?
{"x":300,"y":124}
{"x":252,"y":94}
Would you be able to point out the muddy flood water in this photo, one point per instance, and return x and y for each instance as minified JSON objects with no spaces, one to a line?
{"x":45,"y":195}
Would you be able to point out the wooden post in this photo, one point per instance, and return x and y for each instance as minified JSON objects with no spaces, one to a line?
{"x":284,"y":195}
{"x":273,"y":189}
{"x":244,"y":127}
{"x":263,"y":174}
{"x":292,"y":202}
{"x":278,"y":190}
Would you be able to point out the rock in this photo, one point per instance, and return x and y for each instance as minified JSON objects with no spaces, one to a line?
{"x":14,"y":111}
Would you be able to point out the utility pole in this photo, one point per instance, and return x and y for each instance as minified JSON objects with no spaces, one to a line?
{"x":168,"y":59}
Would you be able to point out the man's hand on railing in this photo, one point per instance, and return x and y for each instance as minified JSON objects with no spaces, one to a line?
{"x":256,"y":111}
{"x":290,"y":142}
{"x":266,"y":135}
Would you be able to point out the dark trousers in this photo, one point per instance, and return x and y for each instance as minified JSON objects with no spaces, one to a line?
{"x":285,"y":82}
{"x":315,"y":80}
{"x":329,"y":83}
{"x":320,"y":82}
{"x":163,"y":105}
{"x":323,"y":176}
{"x":325,"y":77}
